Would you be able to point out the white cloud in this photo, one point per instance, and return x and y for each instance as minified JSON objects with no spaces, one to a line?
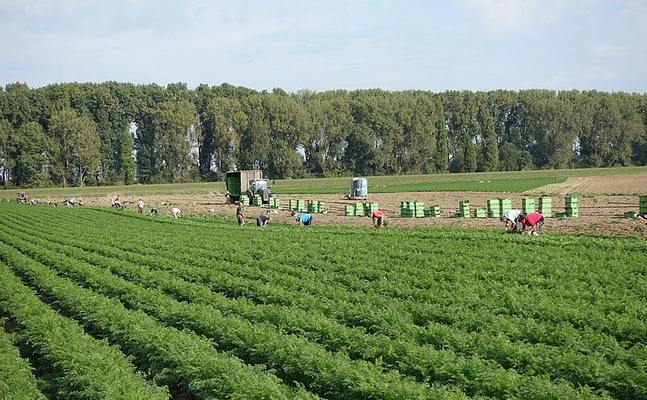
{"x":503,"y":16}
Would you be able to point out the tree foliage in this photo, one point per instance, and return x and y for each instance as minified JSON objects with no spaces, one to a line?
{"x":120,"y":133}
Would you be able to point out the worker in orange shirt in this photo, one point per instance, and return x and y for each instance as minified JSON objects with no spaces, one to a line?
{"x":378,"y":218}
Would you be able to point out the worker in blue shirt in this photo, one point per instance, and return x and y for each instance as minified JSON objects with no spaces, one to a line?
{"x":305,"y":219}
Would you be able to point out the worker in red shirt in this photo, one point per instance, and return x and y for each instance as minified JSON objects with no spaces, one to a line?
{"x":378,"y":217}
{"x":534,"y":220}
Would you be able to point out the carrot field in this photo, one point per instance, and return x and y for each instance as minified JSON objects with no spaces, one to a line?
{"x":98,"y":304}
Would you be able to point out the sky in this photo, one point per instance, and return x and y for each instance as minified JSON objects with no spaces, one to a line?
{"x":476,"y":45}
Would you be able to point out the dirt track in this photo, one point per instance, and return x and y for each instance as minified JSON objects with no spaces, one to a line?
{"x":601,"y":214}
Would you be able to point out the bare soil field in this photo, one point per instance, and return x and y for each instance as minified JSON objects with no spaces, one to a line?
{"x":608,"y":185}
{"x":602,"y":202}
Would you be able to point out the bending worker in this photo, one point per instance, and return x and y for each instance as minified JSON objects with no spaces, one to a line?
{"x":534,"y":220}
{"x":511,"y":217}
{"x":378,"y":217}
{"x":176,"y":212}
{"x":305,"y":219}
{"x":263,"y":220}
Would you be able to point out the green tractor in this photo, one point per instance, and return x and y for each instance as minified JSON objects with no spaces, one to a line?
{"x":249,"y":184}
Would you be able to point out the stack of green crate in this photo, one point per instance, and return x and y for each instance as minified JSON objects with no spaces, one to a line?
{"x":412,"y":209}
{"x":301,"y":206}
{"x":359,"y":209}
{"x":292,"y":205}
{"x":572,"y":206}
{"x":312,"y":206}
{"x":480,"y":213}
{"x":244,"y":200}
{"x":370,"y":207}
{"x":315,"y":206}
{"x":434,"y":211}
{"x":349,"y":209}
{"x":493,"y":208}
{"x":643,"y":204}
{"x":546,"y":206}
{"x":274,"y":202}
{"x":257,"y":201}
{"x":464,"y":208}
{"x":505,"y":205}
{"x":527,"y":206}
{"x":405,"y":209}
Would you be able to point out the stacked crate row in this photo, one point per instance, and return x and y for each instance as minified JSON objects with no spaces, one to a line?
{"x":527,"y":206}
{"x":412,"y":209}
{"x":642,"y":208}
{"x":257,"y":201}
{"x":244,"y":200}
{"x":298,"y":205}
{"x":433,"y":211}
{"x":494,"y":208}
{"x":480,"y":213}
{"x":318,"y":207}
{"x":572,"y":206}
{"x":464,"y":208}
{"x":546,"y":206}
{"x":274,"y":202}
{"x":505,"y":205}
{"x":354,"y":209}
{"x":370,"y":207}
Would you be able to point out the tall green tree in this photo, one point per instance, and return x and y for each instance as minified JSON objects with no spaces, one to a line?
{"x":7,"y":150}
{"x":325,"y":142}
{"x":77,"y":146}
{"x":174,"y":127}
{"x":489,"y":146}
{"x":33,"y":156}
{"x":615,"y":126}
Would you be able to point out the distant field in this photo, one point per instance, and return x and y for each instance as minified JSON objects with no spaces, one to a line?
{"x":400,"y":185}
{"x":513,"y":182}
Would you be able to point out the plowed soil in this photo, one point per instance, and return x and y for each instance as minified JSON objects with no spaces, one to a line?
{"x":602,"y":202}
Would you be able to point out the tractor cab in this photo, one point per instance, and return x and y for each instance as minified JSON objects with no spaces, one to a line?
{"x":259,"y":187}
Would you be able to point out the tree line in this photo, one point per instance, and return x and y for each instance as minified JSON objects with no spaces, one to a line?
{"x":121,"y":133}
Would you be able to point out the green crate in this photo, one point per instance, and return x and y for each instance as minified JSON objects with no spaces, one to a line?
{"x":631,"y":214}
{"x":480,"y":213}
{"x":571,"y":200}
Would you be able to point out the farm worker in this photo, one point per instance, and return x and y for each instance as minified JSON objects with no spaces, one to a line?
{"x":117,"y":202}
{"x":305,"y":219}
{"x":155,"y":211}
{"x":534,"y":220}
{"x":239,"y":214}
{"x":511,"y":217}
{"x":378,"y":216}
{"x":227,"y":197}
{"x":263,"y":220}
{"x":140,"y":206}
{"x":176,"y":212}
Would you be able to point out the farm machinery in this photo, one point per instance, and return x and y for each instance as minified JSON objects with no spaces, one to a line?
{"x":248,"y":184}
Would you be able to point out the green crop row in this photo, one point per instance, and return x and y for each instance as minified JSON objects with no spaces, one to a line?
{"x":293,"y":358}
{"x":400,"y":354}
{"x":16,"y":378}
{"x":439,"y":305}
{"x":540,"y":349}
{"x":179,"y":358}
{"x":81,"y":367}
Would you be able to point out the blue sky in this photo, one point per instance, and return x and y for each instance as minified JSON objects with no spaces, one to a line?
{"x":326,"y":45}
